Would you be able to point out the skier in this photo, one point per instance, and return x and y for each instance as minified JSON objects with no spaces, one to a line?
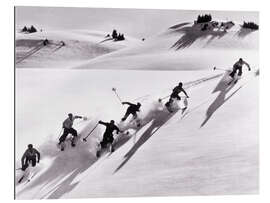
{"x":31,"y":155}
{"x":238,"y":66}
{"x":132,"y":109}
{"x":67,"y":125}
{"x":108,"y":134}
{"x":175,"y":94}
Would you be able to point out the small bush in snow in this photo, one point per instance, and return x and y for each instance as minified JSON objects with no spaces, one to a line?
{"x":117,"y":37}
{"x":204,"y":18}
{"x":32,"y":29}
{"x":250,"y":25}
{"x":29,"y":30}
{"x":24,"y":29}
{"x":120,"y":37}
{"x":114,"y":34}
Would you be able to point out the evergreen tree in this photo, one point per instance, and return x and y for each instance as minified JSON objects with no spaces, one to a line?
{"x":114,"y":34}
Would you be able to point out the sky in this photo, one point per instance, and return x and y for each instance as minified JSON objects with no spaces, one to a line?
{"x":137,"y":23}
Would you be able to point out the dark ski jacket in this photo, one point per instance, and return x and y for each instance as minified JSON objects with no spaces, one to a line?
{"x":239,"y":65}
{"x":30,"y":154}
{"x":109,"y":128}
{"x":178,"y":90}
{"x":133,"y":108}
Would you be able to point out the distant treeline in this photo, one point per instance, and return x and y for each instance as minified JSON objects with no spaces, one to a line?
{"x":204,"y":18}
{"x":117,"y":36}
{"x":250,"y":25}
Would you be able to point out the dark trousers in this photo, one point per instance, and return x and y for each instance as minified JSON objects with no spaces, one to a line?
{"x":172,"y":96}
{"x":106,"y":140}
{"x":127,"y":114}
{"x":29,"y":160}
{"x":67,"y":131}
{"x":235,"y":68}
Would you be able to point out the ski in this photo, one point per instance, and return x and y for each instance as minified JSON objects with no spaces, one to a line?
{"x":20,"y":180}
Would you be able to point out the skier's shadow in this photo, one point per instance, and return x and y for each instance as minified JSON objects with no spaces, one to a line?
{"x":158,"y":121}
{"x":30,"y":53}
{"x":243,"y":32}
{"x":58,"y":179}
{"x":223,"y":88}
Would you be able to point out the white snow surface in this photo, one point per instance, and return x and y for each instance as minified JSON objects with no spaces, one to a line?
{"x":184,"y":47}
{"x":211,"y":149}
{"x":80,"y":46}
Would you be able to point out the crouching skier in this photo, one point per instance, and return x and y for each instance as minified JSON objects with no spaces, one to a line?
{"x":30,"y":157}
{"x":175,"y":95}
{"x":238,"y":66}
{"x":108,"y":135}
{"x":132,"y":109}
{"x":67,"y":126}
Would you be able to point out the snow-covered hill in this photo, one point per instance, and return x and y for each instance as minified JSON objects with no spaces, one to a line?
{"x":184,"y":47}
{"x":79,"y":46}
{"x":213,"y":149}
{"x":210,"y":149}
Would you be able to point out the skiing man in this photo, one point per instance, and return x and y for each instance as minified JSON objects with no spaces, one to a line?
{"x":132,"y":109}
{"x":108,"y":134}
{"x":67,"y":125}
{"x":175,"y":94}
{"x":31,"y":155}
{"x":238,"y":66}
{"x":29,"y":159}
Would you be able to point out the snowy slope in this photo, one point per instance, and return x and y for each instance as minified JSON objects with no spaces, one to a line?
{"x":80,"y":45}
{"x":211,"y":149}
{"x":184,"y":47}
{"x":180,"y":158}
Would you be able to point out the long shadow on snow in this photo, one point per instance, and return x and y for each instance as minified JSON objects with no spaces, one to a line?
{"x":160,"y":118}
{"x":224,"y":89}
{"x":30,"y":53}
{"x":243,"y":32}
{"x":193,"y":33}
{"x":57,"y":179}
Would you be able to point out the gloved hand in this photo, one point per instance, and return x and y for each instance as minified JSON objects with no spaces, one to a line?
{"x":24,"y":167}
{"x":38,"y":161}
{"x":99,"y":122}
{"x":249,"y":69}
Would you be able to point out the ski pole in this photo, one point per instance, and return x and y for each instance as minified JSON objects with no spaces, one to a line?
{"x":84,"y":119}
{"x":114,"y":90}
{"x":215,"y":68}
{"x":60,"y":133}
{"x":85,"y":138}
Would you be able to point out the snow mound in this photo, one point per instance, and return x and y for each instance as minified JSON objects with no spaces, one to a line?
{"x":79,"y":46}
{"x":184,"y":47}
